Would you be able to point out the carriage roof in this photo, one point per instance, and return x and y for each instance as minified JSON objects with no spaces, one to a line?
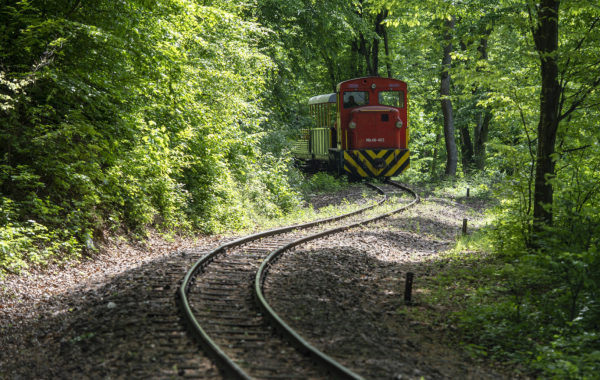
{"x":329,"y":98}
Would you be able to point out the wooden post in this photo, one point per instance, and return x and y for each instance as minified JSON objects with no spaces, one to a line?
{"x":464,"y":229}
{"x":408,"y":288}
{"x":468,"y":192}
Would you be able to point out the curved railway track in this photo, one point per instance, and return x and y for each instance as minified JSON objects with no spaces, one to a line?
{"x":224,"y":308}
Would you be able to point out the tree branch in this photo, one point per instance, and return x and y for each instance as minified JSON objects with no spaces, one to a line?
{"x":589,"y":31}
{"x":576,"y":103}
{"x":77,"y":4}
{"x":533,"y":30}
{"x":530,"y":153}
{"x":574,"y":149}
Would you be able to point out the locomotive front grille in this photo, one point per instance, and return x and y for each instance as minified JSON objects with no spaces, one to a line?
{"x":376,"y":163}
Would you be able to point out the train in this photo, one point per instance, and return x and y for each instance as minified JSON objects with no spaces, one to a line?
{"x":361,"y":130}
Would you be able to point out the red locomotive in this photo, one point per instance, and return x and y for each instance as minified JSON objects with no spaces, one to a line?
{"x":362,"y":129}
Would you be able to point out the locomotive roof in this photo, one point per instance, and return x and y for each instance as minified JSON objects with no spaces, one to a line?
{"x":329,"y":98}
{"x":368,"y":81}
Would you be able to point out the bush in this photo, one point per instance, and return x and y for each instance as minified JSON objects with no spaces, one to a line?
{"x":541,"y":306}
{"x":324,"y":182}
{"x":133,"y":117}
{"x":24,"y":243}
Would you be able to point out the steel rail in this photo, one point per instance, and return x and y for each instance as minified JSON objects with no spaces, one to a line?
{"x":210,"y":347}
{"x":334,"y":368}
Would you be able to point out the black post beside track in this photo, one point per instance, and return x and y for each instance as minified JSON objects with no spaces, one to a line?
{"x":208,"y":345}
{"x":334,"y":368}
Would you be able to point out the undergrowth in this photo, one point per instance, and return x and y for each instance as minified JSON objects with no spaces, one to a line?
{"x":480,"y":185}
{"x":309,"y":186}
{"x":323,"y":182}
{"x":265,"y":200}
{"x":518,"y":308}
{"x":524,"y":298}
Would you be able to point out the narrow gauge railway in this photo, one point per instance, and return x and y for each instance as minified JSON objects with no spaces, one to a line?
{"x":224,"y":308}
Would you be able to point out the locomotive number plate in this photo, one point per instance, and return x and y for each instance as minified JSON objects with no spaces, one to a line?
{"x":376,"y":140}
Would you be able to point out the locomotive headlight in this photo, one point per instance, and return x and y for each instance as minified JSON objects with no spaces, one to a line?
{"x":399,"y":124}
{"x":352,"y":125}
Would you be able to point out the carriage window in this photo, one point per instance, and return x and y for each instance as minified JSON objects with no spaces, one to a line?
{"x":392,"y":98}
{"x":355,"y":98}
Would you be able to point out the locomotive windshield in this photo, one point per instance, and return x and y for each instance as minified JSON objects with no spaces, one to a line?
{"x":391,"y":98}
{"x":355,"y":98}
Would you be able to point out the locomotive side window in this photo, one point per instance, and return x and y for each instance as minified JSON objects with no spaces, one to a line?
{"x":391,"y":98}
{"x":355,"y":98}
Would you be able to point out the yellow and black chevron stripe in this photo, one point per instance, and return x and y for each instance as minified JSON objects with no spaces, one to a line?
{"x":376,"y":163}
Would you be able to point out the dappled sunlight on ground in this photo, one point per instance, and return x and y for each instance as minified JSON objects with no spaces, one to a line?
{"x":344,"y":293}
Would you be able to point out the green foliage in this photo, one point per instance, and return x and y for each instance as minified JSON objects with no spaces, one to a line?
{"x":575,"y":356}
{"x":522,"y":321}
{"x":324,"y":182}
{"x":538,"y":305}
{"x":179,"y":114}
{"x":121,"y":116}
{"x":23,"y":243}
{"x":535,"y":302}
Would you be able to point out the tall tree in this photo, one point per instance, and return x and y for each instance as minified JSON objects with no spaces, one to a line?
{"x":379,"y":35}
{"x":545,"y":36}
{"x":483,"y":118}
{"x":555,"y":82}
{"x":473,"y":34}
{"x":452,"y":158}
{"x":466,"y":147}
{"x":367,"y":44}
{"x":480,"y":138}
{"x":386,"y":45}
{"x":466,"y":144}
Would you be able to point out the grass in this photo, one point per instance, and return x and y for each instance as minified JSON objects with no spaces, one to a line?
{"x":503,"y":311}
{"x":481,"y":185}
{"x":452,"y":284}
{"x":307,"y":214}
{"x":325,"y":183}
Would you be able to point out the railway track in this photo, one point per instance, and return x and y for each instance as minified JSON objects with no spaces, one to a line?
{"x":224,"y":308}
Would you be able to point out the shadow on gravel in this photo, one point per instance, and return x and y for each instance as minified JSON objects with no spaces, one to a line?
{"x":125,"y":329}
{"x":348,"y":301}
{"x":354,"y":194}
{"x":349,"y":305}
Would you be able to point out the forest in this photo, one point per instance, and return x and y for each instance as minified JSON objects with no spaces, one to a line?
{"x":178,"y":116}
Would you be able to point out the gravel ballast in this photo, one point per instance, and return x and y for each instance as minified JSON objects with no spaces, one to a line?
{"x":344,"y":294}
{"x":114,"y":316}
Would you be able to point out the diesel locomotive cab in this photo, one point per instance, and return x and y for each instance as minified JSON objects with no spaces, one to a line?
{"x":369,"y":137}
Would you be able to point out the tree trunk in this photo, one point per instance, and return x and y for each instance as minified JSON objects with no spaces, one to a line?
{"x":356,"y":61}
{"x":466,"y":148}
{"x":485,"y":117}
{"x":452,"y":159}
{"x":387,"y":51}
{"x":480,"y":138}
{"x":379,"y":31}
{"x":366,"y":53}
{"x":466,"y":145}
{"x":331,"y":70}
{"x":545,"y":36}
